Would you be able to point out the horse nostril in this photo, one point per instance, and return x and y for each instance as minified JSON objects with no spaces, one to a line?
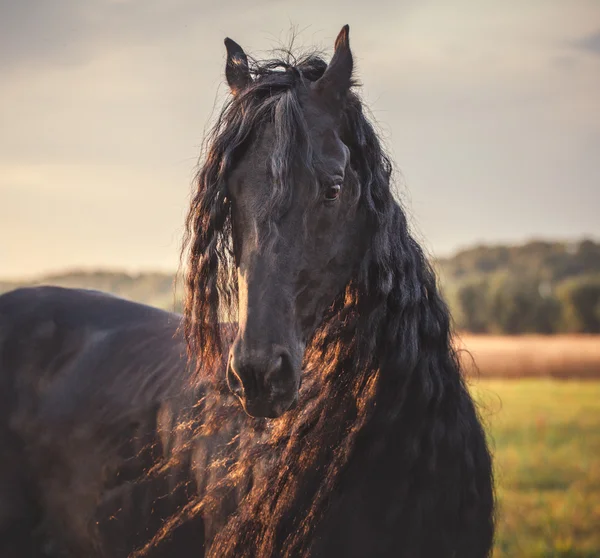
{"x":234,"y":382}
{"x":274,"y":368}
{"x":263,"y":380}
{"x":279,"y":376}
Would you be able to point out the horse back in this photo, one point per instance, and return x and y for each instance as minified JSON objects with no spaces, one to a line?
{"x":85,"y":378}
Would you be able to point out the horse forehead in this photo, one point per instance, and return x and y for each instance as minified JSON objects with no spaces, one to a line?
{"x":320,"y":123}
{"x":323,"y":132}
{"x":331,"y":145}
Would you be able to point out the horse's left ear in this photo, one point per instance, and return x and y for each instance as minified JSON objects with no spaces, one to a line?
{"x":337,"y":78}
{"x":237,"y":70}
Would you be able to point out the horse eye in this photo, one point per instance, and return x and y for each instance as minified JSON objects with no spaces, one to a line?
{"x":333,"y":192}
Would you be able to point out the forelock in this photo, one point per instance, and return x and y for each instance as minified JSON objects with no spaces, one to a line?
{"x":272,"y":99}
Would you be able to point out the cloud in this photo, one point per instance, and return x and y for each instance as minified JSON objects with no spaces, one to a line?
{"x":71,"y":32}
{"x":44,"y":33}
{"x":590,"y":43}
{"x":35,"y":30}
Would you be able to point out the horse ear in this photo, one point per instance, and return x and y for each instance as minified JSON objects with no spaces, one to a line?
{"x":237,"y":71}
{"x":337,"y":78}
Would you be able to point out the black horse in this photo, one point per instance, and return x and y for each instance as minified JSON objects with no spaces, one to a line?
{"x":114,"y":441}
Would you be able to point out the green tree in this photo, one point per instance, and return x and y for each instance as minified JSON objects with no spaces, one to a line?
{"x":522,"y":305}
{"x":580,"y":300}
{"x":471,"y":307}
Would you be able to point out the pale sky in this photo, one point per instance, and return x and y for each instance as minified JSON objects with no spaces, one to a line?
{"x":491,"y":110}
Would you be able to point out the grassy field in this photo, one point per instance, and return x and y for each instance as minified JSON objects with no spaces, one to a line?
{"x":546,"y":438}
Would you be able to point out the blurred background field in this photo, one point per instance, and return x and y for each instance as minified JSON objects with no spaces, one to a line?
{"x":528,"y":322}
{"x":545,"y":435}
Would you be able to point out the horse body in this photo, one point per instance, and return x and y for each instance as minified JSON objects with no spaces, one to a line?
{"x":115,"y":440}
{"x":88,"y":387}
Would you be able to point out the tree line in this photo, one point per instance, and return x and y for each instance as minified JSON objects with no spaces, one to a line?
{"x":538,"y":287}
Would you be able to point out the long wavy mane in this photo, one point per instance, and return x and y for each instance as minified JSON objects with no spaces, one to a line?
{"x":383,"y":399}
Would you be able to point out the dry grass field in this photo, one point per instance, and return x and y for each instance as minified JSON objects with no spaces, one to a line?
{"x":531,"y":356}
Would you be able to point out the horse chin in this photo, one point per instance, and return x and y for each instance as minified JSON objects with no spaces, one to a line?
{"x":268,"y":409}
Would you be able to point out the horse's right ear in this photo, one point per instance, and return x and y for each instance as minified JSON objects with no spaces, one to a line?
{"x":237,"y":70}
{"x":337,"y":78}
